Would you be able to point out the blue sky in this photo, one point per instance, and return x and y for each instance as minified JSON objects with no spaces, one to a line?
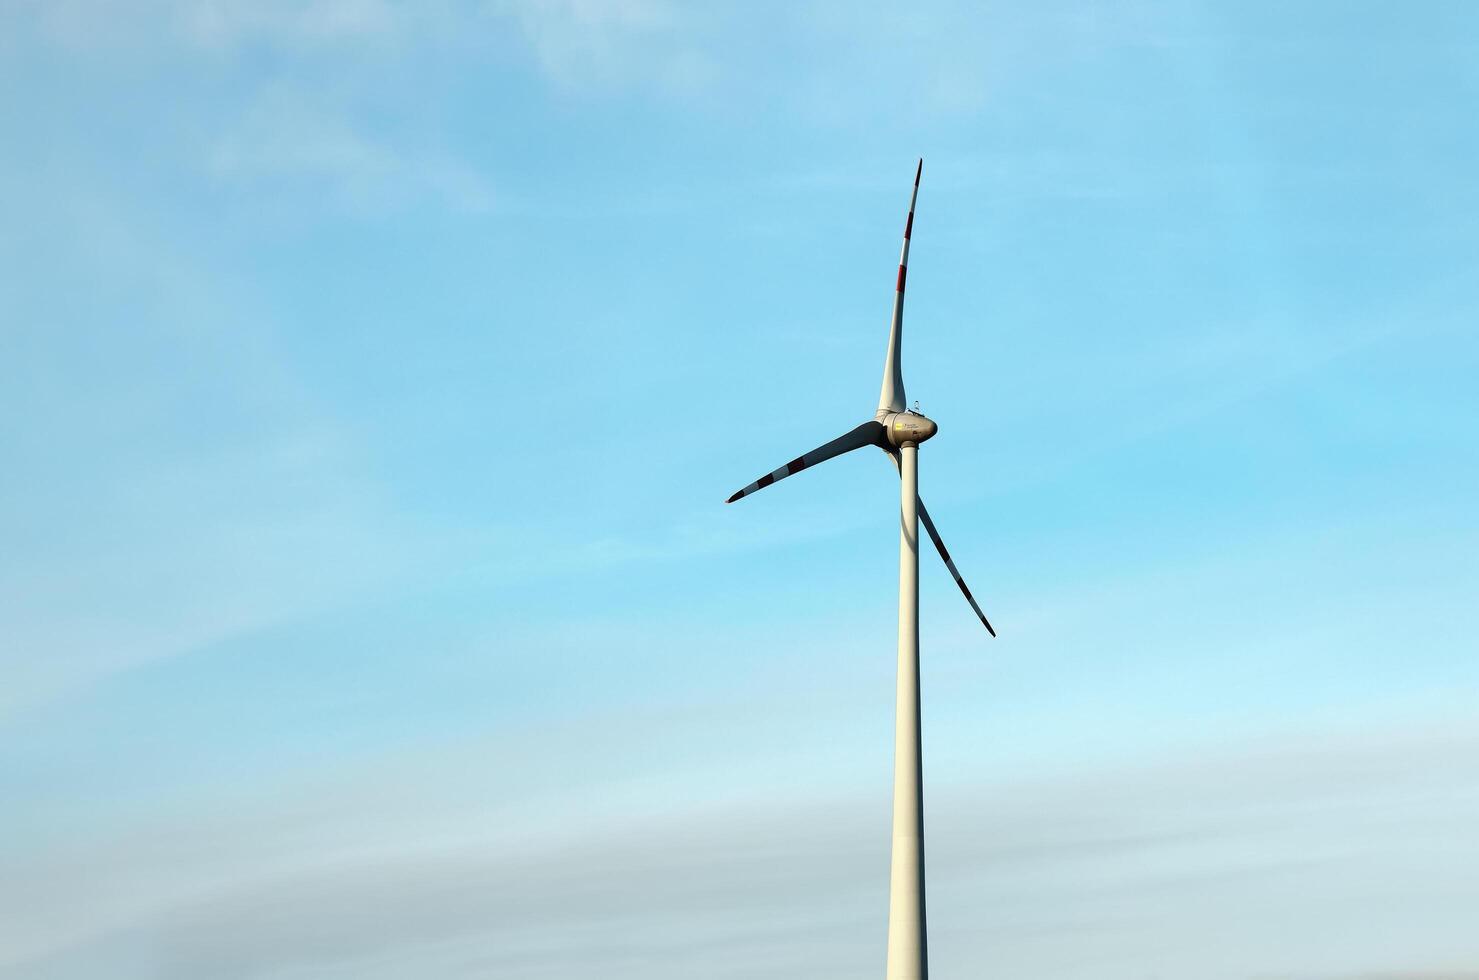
{"x":372,"y":376}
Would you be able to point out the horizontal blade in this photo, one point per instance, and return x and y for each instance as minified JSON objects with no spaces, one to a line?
{"x":867,"y":434}
{"x":929,"y":527}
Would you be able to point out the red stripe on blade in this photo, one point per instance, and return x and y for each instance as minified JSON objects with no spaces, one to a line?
{"x":903,"y":271}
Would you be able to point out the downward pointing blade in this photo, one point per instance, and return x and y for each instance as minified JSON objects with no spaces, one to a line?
{"x":867,"y":434}
{"x":891,"y":398}
{"x":929,"y":526}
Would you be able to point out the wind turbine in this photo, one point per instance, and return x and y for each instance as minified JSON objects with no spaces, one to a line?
{"x":898,"y":432}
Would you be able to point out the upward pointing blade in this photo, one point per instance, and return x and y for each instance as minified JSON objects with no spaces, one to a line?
{"x":891,"y":398}
{"x":867,"y":434}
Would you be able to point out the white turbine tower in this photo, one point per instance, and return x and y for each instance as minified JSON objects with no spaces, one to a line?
{"x":898,"y":432}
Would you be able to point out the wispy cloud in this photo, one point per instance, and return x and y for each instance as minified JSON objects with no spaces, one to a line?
{"x":212,"y":25}
{"x":578,"y":45}
{"x":291,"y":141}
{"x":215,"y":23}
{"x":130,"y":537}
{"x":187,"y":556}
{"x":581,"y":44}
{"x":1128,"y":870}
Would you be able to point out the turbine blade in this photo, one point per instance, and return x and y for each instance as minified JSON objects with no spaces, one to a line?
{"x":891,"y":398}
{"x":929,"y":527}
{"x":867,"y":434}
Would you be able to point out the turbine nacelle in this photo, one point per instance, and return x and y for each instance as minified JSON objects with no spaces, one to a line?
{"x":908,"y":428}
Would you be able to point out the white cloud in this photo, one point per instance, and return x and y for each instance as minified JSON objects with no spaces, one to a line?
{"x":581,"y":44}
{"x":132,"y":536}
{"x":1313,"y":856}
{"x":576,"y":44}
{"x":291,"y":141}
{"x":212,"y":25}
{"x":215,"y":23}
{"x":187,"y":556}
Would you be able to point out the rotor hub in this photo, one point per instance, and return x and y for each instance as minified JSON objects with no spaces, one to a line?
{"x":908,"y":428}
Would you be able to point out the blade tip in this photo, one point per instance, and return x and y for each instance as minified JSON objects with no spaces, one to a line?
{"x":918,"y":170}
{"x":734,"y":496}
